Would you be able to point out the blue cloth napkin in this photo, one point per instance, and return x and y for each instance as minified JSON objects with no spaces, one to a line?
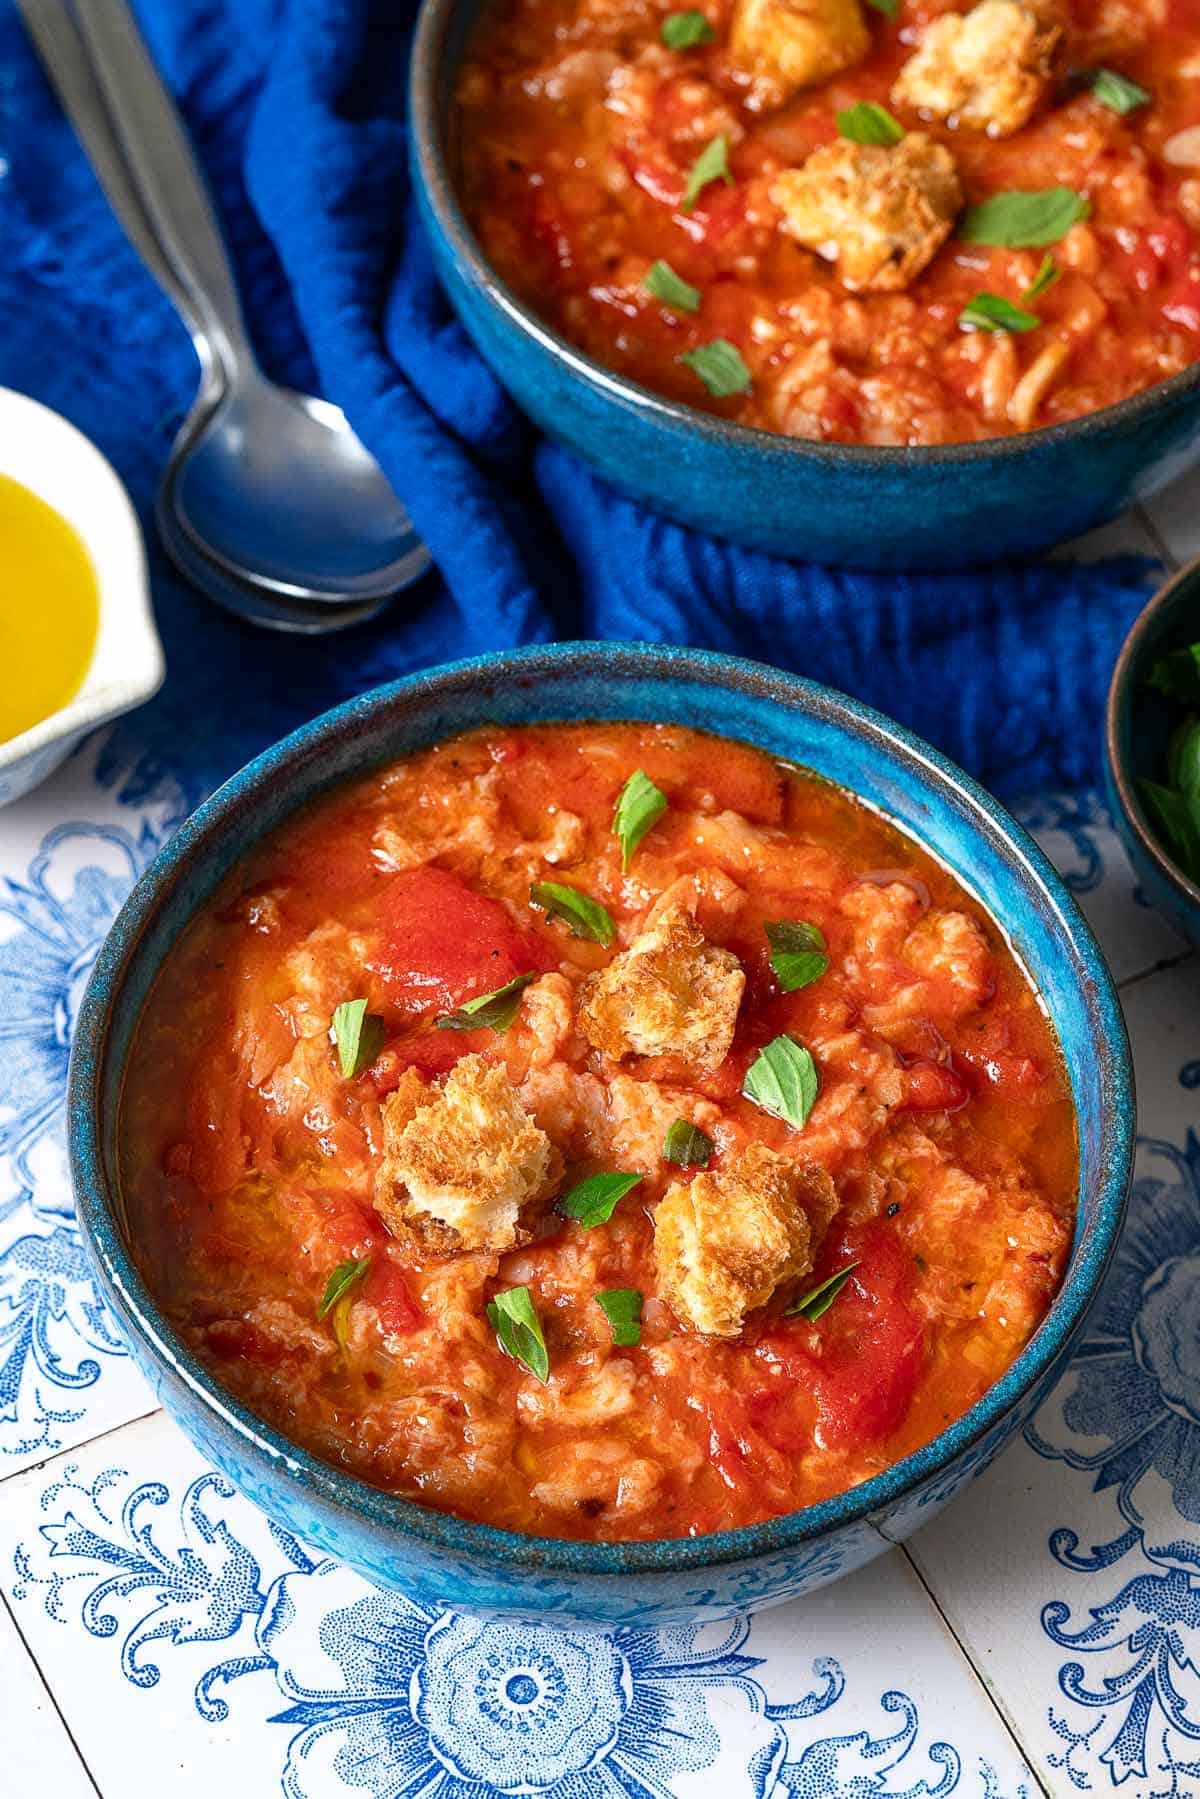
{"x":297,"y":111}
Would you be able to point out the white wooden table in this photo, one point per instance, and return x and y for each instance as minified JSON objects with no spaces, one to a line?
{"x":157,"y":1635}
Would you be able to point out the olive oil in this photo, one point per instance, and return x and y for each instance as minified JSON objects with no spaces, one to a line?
{"x":49,"y":610}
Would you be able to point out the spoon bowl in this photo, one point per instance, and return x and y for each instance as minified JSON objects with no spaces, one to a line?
{"x":273,"y":486}
{"x":271,"y":609}
{"x":269,"y":504}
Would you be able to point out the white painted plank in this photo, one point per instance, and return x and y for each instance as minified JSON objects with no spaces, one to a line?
{"x":38,"y":1755}
{"x":1175,"y":515}
{"x":163,"y":1612}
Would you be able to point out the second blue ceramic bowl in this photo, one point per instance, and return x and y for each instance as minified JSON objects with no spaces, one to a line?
{"x":1138,"y":726}
{"x":426,"y":1554}
{"x":876,"y":508}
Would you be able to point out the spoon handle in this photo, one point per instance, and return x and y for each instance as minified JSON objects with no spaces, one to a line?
{"x":53,"y":33}
{"x":163,"y":166}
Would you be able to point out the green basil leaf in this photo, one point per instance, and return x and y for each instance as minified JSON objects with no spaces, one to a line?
{"x":1177,"y":817}
{"x":622,"y":1306}
{"x":1046,"y":276}
{"x":1183,"y":757}
{"x":783,"y":1080}
{"x":992,"y":312}
{"x":684,"y":30}
{"x":1177,"y":674}
{"x":686,"y":1145}
{"x":640,"y":804}
{"x":720,"y":367}
{"x":592,"y":1201}
{"x":1024,"y":221}
{"x":359,"y":1036}
{"x":345,"y":1277}
{"x":712,"y":164}
{"x":586,"y":917}
{"x":889,"y":8}
{"x":513,"y":1317}
{"x":493,"y":1011}
{"x":797,"y":952}
{"x":1118,"y":92}
{"x":814,"y":1305}
{"x":867,"y":122}
{"x":664,"y":284}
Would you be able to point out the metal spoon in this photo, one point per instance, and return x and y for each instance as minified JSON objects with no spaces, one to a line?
{"x":257,"y":605}
{"x":269,"y":502}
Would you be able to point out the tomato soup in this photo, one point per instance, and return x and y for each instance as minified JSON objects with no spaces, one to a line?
{"x":928,"y":228}
{"x":603,"y":1131}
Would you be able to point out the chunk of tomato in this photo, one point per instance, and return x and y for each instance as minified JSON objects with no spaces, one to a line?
{"x":865,"y":1398}
{"x":235,"y":1339}
{"x":388,"y":1292}
{"x":782,"y":1413}
{"x":429,"y":1052}
{"x":1010,"y":1075}
{"x":443,"y":943}
{"x":348,"y":1227}
{"x":872,"y":1350}
{"x":934,"y":1087}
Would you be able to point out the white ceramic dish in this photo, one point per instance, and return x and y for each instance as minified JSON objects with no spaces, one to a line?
{"x":61,"y":466}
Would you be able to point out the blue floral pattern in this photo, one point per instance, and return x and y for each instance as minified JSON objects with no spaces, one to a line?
{"x":1075,"y":821}
{"x":1136,"y":1396}
{"x":52,"y":1331}
{"x":57,"y":919}
{"x":381,"y":1696}
{"x":55,"y":1337}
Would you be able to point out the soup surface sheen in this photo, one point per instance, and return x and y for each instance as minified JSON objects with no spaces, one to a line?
{"x":844,"y":284}
{"x":939,"y":1157}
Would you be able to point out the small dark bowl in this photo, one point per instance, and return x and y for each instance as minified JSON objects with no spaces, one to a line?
{"x":846,"y":504}
{"x":431,"y":1556}
{"x":1137,"y":729}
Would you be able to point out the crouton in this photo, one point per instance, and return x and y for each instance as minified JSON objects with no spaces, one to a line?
{"x":880,"y":214}
{"x":464,"y":1166}
{"x":986,"y":69}
{"x":786,"y":45}
{"x":670,"y":992}
{"x":723,"y":1243}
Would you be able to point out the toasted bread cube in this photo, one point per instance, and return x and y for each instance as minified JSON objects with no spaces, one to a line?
{"x":723,"y":1243}
{"x":464,"y":1165}
{"x":786,"y":45}
{"x":987,"y":68}
{"x":880,"y":214}
{"x":670,"y":993}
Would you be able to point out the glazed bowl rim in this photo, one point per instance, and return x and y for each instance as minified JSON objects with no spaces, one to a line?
{"x":428,"y":153}
{"x":1117,"y":708}
{"x":980,"y":815}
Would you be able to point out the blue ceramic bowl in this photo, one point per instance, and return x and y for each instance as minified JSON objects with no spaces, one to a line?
{"x":426,"y":1554}
{"x":1138,"y":725}
{"x":875,"y":508}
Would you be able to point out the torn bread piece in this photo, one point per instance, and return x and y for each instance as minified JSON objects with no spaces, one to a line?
{"x":986,"y":69}
{"x":786,"y":45}
{"x":725,"y":1242}
{"x":464,"y":1165}
{"x":670,"y":993}
{"x":880,"y":214}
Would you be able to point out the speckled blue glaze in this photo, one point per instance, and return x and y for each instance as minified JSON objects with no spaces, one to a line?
{"x":1138,"y":726}
{"x":426,"y":1554}
{"x":875,"y":508}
